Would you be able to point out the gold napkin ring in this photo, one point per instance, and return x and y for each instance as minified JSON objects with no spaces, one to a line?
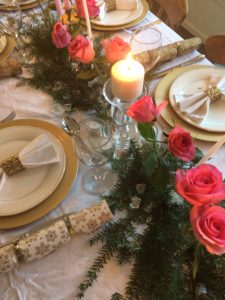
{"x":12,"y":165}
{"x":110,"y":5}
{"x":214,"y":93}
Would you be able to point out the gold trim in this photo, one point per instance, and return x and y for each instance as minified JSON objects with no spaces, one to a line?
{"x":24,"y":6}
{"x":119,"y":27}
{"x":10,"y":45}
{"x":169,"y":115}
{"x":12,"y":165}
{"x":63,"y":188}
{"x":214,"y":93}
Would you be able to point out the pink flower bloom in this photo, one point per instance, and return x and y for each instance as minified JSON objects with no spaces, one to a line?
{"x":208,"y":223}
{"x":144,"y":110}
{"x":115,"y":49}
{"x":180,"y":144}
{"x":60,"y":36}
{"x":201,"y":185}
{"x":81,"y":49}
{"x":93,"y":9}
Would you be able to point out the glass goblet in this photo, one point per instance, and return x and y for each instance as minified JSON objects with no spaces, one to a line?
{"x":95,"y":147}
{"x":147,"y":38}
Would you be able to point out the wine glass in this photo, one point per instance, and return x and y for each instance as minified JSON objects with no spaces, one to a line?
{"x":11,"y":19}
{"x":145,"y":43}
{"x":94,"y":145}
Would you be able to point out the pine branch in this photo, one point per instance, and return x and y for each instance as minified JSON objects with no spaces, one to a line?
{"x":117,"y":296}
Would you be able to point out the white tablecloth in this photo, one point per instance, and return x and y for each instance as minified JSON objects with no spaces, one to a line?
{"x":58,"y":275}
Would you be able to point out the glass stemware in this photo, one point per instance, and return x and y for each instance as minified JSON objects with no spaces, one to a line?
{"x":95,"y":147}
{"x":11,"y":18}
{"x":144,"y":39}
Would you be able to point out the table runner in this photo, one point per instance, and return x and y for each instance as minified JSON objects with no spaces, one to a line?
{"x":58,"y":275}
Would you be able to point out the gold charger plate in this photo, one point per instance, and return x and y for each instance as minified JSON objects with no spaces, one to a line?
{"x":24,"y":6}
{"x":119,"y":27}
{"x":169,"y":115}
{"x":10,"y":45}
{"x":63,"y":188}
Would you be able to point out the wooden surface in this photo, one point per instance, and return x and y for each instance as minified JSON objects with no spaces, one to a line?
{"x":172,"y":12}
{"x":215,"y":49}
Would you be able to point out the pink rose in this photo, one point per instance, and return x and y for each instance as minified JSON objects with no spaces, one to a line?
{"x":144,"y":110}
{"x":60,"y":36}
{"x":115,"y":49}
{"x":93,"y":9}
{"x":208,"y":223}
{"x":81,"y":49}
{"x":180,"y":144}
{"x":201,"y":185}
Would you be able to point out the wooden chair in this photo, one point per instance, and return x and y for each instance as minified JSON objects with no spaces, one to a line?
{"x":215,"y":49}
{"x":172,"y":12}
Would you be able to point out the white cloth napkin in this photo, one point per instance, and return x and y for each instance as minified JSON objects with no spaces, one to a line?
{"x":196,"y":106}
{"x":39,"y":152}
{"x":119,"y":5}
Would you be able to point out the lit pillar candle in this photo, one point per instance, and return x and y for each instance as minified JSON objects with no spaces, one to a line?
{"x":127,"y":79}
{"x":58,"y":6}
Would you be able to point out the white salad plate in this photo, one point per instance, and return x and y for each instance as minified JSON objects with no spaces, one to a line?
{"x":29,"y":187}
{"x":195,"y":81}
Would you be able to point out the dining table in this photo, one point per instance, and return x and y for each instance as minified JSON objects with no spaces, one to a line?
{"x":58,"y":275}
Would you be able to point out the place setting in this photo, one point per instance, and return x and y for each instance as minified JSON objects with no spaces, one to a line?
{"x":191,"y":106}
{"x":48,"y":166}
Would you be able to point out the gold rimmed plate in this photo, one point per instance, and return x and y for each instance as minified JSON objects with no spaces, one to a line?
{"x":61,"y":190}
{"x":145,"y":9}
{"x":10,"y":45}
{"x":169,"y":115}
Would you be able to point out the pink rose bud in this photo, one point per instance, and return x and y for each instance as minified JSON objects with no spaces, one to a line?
{"x":81,"y":49}
{"x":60,"y":36}
{"x":115,"y":49}
{"x":93,"y":9}
{"x":144,"y":110}
{"x":208,"y":223}
{"x":67,"y":5}
{"x":180,"y":144}
{"x":201,"y":185}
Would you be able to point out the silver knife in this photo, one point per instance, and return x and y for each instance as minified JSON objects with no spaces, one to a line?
{"x":186,"y":63}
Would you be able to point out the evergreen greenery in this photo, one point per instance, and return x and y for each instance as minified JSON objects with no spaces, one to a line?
{"x":52,"y":71}
{"x":168,"y":262}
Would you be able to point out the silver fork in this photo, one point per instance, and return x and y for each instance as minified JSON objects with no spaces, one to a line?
{"x":10,"y":116}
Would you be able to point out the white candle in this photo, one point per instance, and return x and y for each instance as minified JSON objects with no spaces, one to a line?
{"x":88,"y":23}
{"x":127,"y":79}
{"x":58,"y":6}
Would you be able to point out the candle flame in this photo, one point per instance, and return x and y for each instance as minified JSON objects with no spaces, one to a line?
{"x":129,"y":57}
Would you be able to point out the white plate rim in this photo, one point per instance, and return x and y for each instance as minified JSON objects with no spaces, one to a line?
{"x":204,"y":71}
{"x":137,"y":12}
{"x":37,"y":199}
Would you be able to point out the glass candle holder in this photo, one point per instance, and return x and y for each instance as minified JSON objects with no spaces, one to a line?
{"x":125,"y":126}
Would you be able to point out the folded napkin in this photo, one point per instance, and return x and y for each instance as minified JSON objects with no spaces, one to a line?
{"x":39,"y":152}
{"x":109,"y":5}
{"x":196,"y":106}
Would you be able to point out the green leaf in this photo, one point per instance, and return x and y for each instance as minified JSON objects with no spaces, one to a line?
{"x":198,"y":156}
{"x":150,"y":163}
{"x":161,"y":177}
{"x":87,"y":75}
{"x":147,"y":131}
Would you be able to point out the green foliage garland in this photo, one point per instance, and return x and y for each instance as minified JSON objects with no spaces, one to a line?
{"x":52,"y":71}
{"x":168,"y":262}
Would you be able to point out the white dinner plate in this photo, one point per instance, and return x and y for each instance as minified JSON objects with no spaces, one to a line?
{"x":196,"y":81}
{"x":3,"y":43}
{"x":29,"y":187}
{"x":120,"y":17}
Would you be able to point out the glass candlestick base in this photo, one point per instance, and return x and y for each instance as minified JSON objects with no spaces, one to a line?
{"x":126,"y":128}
